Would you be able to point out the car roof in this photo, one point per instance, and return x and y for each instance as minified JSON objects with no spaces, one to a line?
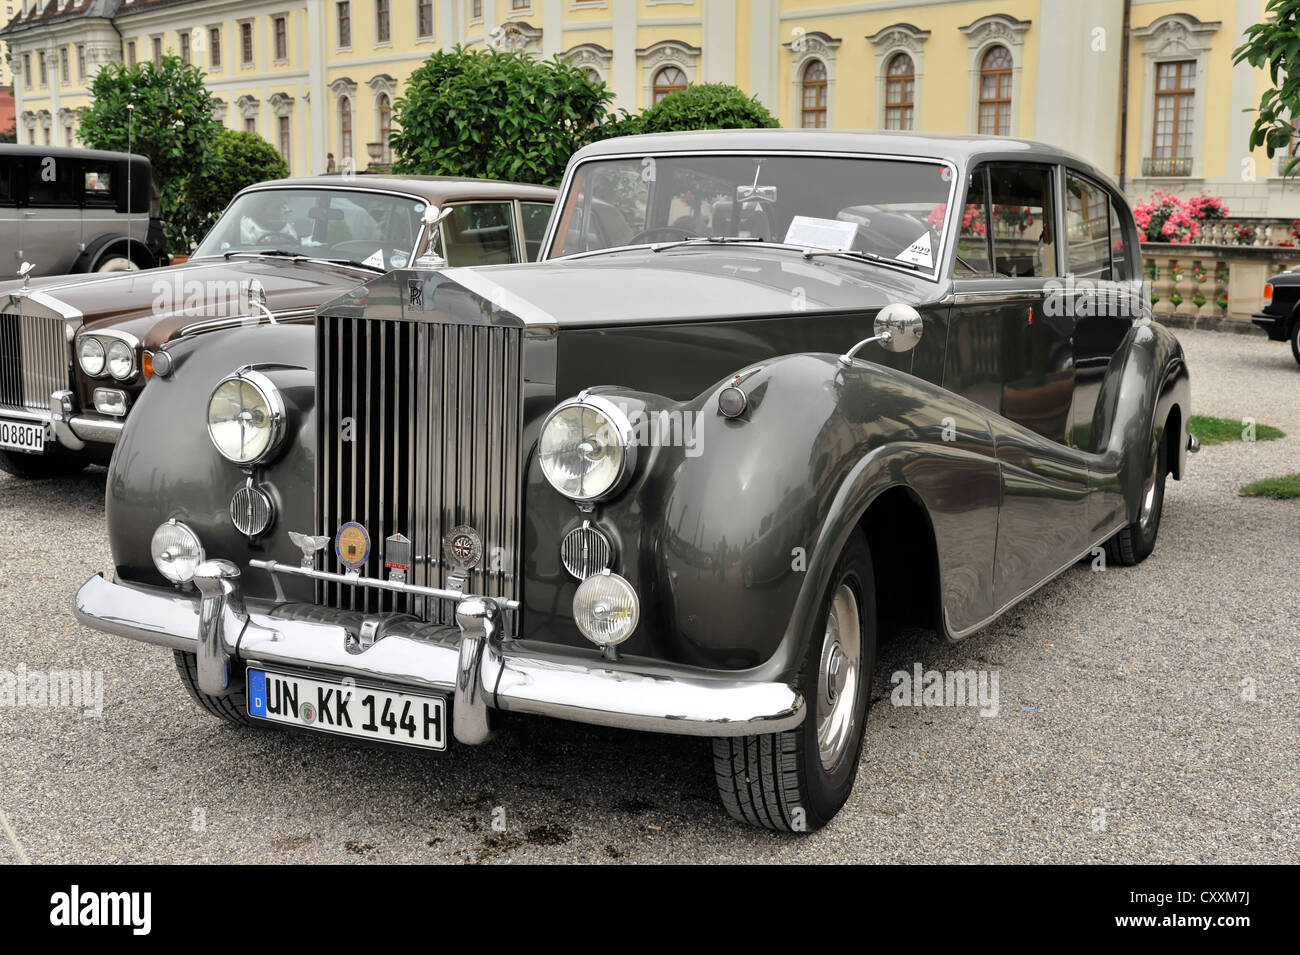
{"x":435,"y":189}
{"x":963,"y":148}
{"x":66,"y":152}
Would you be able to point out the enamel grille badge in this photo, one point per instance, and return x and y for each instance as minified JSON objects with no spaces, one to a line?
{"x":352,"y":545}
{"x":463,"y":548}
{"x":397,"y":557}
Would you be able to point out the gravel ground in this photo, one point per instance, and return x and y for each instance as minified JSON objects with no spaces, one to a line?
{"x":1125,"y":732}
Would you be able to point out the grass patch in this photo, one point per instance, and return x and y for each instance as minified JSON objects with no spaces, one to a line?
{"x":1218,"y":430}
{"x":1278,"y":488}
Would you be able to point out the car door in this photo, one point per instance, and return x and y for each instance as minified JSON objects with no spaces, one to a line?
{"x":1008,"y":353}
{"x":50,"y":214}
{"x":10,"y":241}
{"x":1101,"y":295}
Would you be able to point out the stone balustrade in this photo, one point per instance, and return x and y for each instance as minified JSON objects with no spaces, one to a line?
{"x":1216,"y":285}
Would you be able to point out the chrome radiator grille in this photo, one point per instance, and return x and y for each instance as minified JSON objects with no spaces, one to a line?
{"x":34,"y":361}
{"x":418,"y":431}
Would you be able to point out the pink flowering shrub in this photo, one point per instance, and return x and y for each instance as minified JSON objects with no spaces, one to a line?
{"x":1167,"y":218}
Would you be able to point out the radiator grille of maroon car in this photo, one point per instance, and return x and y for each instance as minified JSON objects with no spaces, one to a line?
{"x":418,"y":431}
{"x":33,"y":360}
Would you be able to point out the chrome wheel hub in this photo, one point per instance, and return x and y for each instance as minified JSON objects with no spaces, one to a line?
{"x":837,"y":678}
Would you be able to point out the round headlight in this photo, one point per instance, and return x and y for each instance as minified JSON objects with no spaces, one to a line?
{"x":606,"y":609}
{"x":246,"y":417}
{"x":90,"y":353}
{"x":586,"y":448}
{"x":176,"y":551}
{"x":121,"y":360}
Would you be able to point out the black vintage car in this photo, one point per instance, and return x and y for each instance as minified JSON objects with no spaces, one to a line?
{"x":1280,"y":317}
{"x":769,"y":392}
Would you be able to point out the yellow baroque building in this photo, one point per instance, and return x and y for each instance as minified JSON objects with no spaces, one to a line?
{"x":1155,"y":100}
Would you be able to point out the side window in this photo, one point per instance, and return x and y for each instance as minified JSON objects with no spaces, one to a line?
{"x":535,"y":216}
{"x":6,"y":181}
{"x":1087,"y":229}
{"x":1020,"y":196}
{"x":1121,"y":268}
{"x":97,"y":184}
{"x":973,"y":258}
{"x":479,"y":233}
{"x":51,"y":182}
{"x":608,"y":207}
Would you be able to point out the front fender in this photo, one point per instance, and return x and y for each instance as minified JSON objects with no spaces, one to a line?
{"x":165,"y":466}
{"x":731,"y":538}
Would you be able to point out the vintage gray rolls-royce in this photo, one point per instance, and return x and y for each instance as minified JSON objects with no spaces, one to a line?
{"x":768,"y":393}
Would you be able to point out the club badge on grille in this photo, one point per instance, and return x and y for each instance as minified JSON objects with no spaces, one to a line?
{"x":352,"y":544}
{"x":308,"y":544}
{"x":463,"y":548}
{"x":397,"y":557}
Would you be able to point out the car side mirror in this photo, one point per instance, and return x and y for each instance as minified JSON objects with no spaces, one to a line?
{"x":897,"y":328}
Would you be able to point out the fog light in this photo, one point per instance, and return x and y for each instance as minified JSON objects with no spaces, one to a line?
{"x":110,"y":401}
{"x":606,"y":609}
{"x":176,"y":551}
{"x":732,"y":401}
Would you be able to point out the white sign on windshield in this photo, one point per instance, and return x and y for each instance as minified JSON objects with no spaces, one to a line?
{"x":821,"y":233}
{"x":918,"y":253}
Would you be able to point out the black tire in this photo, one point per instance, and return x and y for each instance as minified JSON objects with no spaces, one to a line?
{"x":1134,"y":543}
{"x":40,"y":467}
{"x":1295,"y":339}
{"x":778,"y":781}
{"x":233,"y":708}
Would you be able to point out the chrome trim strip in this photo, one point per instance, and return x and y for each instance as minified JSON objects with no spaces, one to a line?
{"x":234,"y":321}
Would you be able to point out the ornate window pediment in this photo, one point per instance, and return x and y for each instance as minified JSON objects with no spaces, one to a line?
{"x":247,"y":106}
{"x":515,"y":36}
{"x":281,"y":103}
{"x":1175,"y":35}
{"x":591,"y":56}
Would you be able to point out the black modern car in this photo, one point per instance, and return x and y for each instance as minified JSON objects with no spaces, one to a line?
{"x":1281,"y":314}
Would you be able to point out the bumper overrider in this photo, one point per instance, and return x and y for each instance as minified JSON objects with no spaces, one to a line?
{"x":474,"y":663}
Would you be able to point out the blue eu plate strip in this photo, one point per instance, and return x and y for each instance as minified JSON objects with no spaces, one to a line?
{"x":256,"y":693}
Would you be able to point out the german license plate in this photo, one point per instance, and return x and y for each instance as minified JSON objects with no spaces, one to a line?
{"x":22,"y":436}
{"x":348,"y":709}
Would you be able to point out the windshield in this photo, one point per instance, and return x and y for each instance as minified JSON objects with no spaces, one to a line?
{"x":888,"y":207}
{"x":354,"y":226}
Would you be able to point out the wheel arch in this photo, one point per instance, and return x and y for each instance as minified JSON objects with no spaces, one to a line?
{"x":102,"y":246}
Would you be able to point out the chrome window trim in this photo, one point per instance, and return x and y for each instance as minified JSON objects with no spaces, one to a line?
{"x":940,"y":255}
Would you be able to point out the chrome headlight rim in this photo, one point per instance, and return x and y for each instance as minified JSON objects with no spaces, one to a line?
{"x":620,"y":424}
{"x":276,"y":414}
{"x":85,"y":340}
{"x":120,"y":346}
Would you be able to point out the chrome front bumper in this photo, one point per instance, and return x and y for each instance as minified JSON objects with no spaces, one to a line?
{"x":473,"y":663}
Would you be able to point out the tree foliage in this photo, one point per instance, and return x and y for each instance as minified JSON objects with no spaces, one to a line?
{"x":489,"y":113}
{"x":495,"y":114}
{"x":703,"y":106}
{"x":1275,"y":43}
{"x":237,"y":159}
{"x":163,"y":112}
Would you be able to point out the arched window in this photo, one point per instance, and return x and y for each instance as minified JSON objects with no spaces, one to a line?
{"x":900,"y":92}
{"x":995,"y":92}
{"x":668,"y":80}
{"x":385,"y":107}
{"x":345,"y":127}
{"x":814,"y":95}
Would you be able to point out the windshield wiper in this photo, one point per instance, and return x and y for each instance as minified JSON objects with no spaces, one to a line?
{"x":865,"y":256}
{"x":281,"y":253}
{"x":706,"y":240}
